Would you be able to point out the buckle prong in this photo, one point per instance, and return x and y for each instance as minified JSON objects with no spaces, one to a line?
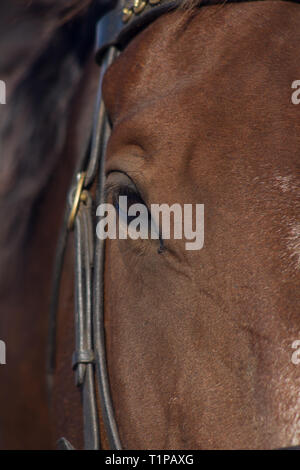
{"x":78,"y":197}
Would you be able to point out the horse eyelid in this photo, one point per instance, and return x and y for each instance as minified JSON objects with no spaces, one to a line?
{"x":115,"y":189}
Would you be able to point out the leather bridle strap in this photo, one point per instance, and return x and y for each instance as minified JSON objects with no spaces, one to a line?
{"x":83,"y":357}
{"x":90,"y":351}
{"x":98,"y":302}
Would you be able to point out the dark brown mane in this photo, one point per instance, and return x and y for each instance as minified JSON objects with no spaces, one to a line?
{"x":45,"y":45}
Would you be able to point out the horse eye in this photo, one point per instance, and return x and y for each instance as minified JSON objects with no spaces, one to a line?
{"x":133,"y":197}
{"x":122,"y":192}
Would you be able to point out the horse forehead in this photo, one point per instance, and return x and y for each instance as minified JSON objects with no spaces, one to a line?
{"x":178,"y":47}
{"x":157,"y":60}
{"x":144,"y":69}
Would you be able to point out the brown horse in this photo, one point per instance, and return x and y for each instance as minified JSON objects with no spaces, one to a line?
{"x":199,"y":343}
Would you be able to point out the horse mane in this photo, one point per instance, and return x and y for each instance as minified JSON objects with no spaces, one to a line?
{"x":46,"y":44}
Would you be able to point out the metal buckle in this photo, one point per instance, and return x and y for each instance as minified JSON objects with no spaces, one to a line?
{"x":79,"y":196}
{"x":136,"y":7}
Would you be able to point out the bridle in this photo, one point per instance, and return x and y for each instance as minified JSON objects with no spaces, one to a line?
{"x":114,"y":32}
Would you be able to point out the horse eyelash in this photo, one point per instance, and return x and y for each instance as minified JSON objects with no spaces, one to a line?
{"x":115,"y":190}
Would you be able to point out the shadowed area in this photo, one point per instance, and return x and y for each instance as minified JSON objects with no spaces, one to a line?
{"x":45,"y":47}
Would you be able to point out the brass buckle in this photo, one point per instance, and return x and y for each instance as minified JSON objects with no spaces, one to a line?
{"x":78,"y":197}
{"x":135,"y":7}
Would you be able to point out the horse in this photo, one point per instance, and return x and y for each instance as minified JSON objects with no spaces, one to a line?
{"x":197,"y":346}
